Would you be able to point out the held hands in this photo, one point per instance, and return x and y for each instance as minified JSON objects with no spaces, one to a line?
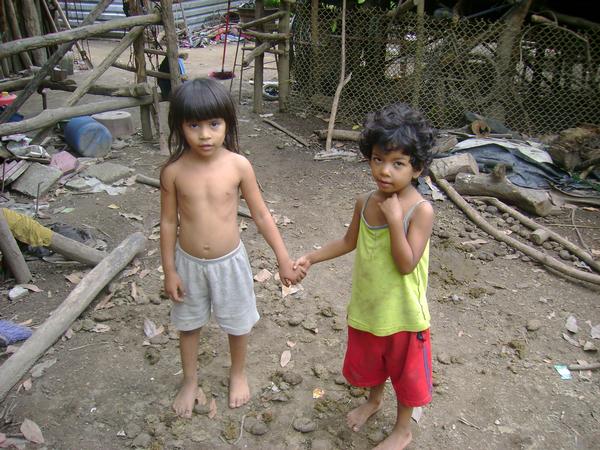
{"x":290,"y":274}
{"x":392,"y":209}
{"x":174,"y":287}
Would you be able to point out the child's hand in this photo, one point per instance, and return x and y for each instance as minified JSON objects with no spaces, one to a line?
{"x":287,"y":274}
{"x":302,"y":264}
{"x":174,"y":287}
{"x":392,"y":209}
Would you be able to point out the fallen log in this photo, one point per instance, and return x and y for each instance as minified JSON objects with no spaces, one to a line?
{"x":11,"y":254}
{"x":532,"y":224}
{"x":591,"y":366}
{"x":76,"y":302}
{"x":340,"y":135}
{"x":524,"y":248}
{"x":29,"y":231}
{"x":448,"y":168}
{"x":50,"y":116}
{"x":530,"y":200}
{"x":286,"y":131}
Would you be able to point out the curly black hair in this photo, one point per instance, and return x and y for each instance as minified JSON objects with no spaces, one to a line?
{"x":398,"y":127}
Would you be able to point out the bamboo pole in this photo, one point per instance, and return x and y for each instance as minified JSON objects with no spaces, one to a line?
{"x":171,"y":37}
{"x":259,"y":62}
{"x":45,"y":70}
{"x":50,"y":116}
{"x":12,"y":17}
{"x":84,"y":87}
{"x":84,"y":31}
{"x":32,"y":22}
{"x":76,"y":302}
{"x":150,"y":73}
{"x":140,"y":74}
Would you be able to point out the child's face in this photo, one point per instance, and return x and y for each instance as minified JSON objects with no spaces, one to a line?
{"x":204,"y":137}
{"x":392,"y":170}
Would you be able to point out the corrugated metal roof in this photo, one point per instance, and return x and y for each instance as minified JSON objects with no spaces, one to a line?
{"x":196,"y":11}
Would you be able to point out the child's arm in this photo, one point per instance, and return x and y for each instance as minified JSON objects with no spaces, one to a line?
{"x":407,"y":249}
{"x":168,"y":234}
{"x":336,"y":248}
{"x":265,"y":223}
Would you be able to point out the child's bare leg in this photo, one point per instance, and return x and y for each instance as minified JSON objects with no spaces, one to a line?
{"x":188,"y":348}
{"x":358,"y":416}
{"x":400,"y":436}
{"x":239,"y":392}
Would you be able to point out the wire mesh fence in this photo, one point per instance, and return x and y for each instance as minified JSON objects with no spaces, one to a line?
{"x":544,"y":79}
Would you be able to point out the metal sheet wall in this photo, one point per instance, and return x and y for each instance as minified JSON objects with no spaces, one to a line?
{"x":196,"y":11}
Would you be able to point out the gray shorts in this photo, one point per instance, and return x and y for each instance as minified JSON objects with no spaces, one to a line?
{"x":223,"y":284}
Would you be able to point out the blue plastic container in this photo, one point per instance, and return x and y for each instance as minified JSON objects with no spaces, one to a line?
{"x":88,"y":137}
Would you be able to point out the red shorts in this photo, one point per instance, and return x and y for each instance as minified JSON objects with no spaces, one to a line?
{"x":405,"y":357}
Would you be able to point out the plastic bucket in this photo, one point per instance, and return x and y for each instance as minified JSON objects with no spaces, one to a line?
{"x":87,"y":136}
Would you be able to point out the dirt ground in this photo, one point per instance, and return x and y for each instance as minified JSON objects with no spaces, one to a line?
{"x":495,"y":384}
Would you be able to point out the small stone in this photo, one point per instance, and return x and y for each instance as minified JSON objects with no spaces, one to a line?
{"x":292,"y":378}
{"x":525,"y":258}
{"x":321,"y":444}
{"x":547,"y":245}
{"x":564,"y":254}
{"x":501,"y":251}
{"x":255,"y":427}
{"x":155,"y":299}
{"x":152,"y":355}
{"x":338,"y":324}
{"x":375,"y":437}
{"x":444,"y":234}
{"x":142,"y":440}
{"x":444,"y":358}
{"x":533,"y":325}
{"x":17,"y":293}
{"x":88,"y":325}
{"x":340,"y":380}
{"x":320,"y":370}
{"x":589,"y":347}
{"x":327,"y":312}
{"x":104,"y":315}
{"x":491,"y":209}
{"x":304,"y":425}
{"x":295,"y":320}
{"x":161,"y":339}
{"x":357,"y":392}
{"x":310,"y":325}
{"x":132,"y":429}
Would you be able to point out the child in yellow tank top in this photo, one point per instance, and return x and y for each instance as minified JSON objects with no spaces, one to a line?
{"x":388,"y":318}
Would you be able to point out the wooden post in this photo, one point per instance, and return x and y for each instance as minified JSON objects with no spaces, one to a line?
{"x":95,"y":74}
{"x":284,"y":59}
{"x":140,"y":75}
{"x":257,"y":106}
{"x":11,"y":254}
{"x":45,"y":70}
{"x":171,"y":36}
{"x":162,"y":135}
{"x":33,"y":21}
{"x":76,"y":302}
{"x":12,"y":16}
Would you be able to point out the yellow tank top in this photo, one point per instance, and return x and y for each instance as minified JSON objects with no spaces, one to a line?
{"x":384,"y":301}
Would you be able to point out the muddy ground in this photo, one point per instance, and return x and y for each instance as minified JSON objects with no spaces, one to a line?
{"x":495,"y":385}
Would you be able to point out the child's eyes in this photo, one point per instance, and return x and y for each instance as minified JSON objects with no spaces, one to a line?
{"x":398,"y":164}
{"x":215,"y":123}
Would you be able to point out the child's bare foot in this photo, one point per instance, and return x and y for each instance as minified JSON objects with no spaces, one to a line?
{"x":239,"y":392}
{"x":185,"y":400}
{"x":397,"y":440}
{"x":358,"y":416}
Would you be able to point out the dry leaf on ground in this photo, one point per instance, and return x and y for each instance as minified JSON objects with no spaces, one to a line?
{"x":213,"y":409}
{"x":32,"y":432}
{"x":286,"y":357}
{"x":262,"y":276}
